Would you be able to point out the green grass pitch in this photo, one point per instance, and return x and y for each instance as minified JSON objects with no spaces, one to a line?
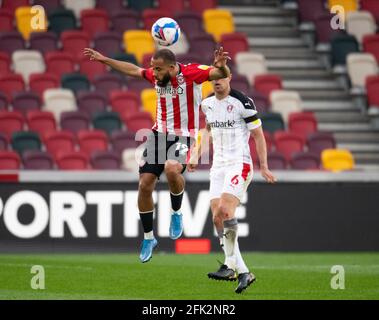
{"x":170,"y":276}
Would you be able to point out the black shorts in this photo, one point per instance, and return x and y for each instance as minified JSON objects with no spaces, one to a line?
{"x":160,"y":147}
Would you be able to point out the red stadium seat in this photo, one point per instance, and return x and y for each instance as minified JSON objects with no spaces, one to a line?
{"x":39,"y":82}
{"x":190,"y":22}
{"x":73,"y":42}
{"x":3,"y":141}
{"x":72,"y":160}
{"x":125,"y":101}
{"x":13,"y":4}
{"x":92,"y":140}
{"x":6,"y":20}
{"x":25,"y":101}
{"x":302,"y":123}
{"x":5,"y":63}
{"x":122,"y":140}
{"x":372,"y":89}
{"x":3,"y":102}
{"x":172,"y":7}
{"x":37,"y":160}
{"x":287,"y":143}
{"x":44,"y":41}
{"x":111,"y":7}
{"x":319,"y":141}
{"x":234,"y":42}
{"x":41,"y":121}
{"x":91,"y":68}
{"x":57,"y":141}
{"x":11,"y":41}
{"x":74,"y":121}
{"x":276,"y":161}
{"x":125,"y":19}
{"x":149,"y":16}
{"x":108,"y":43}
{"x":371,"y":45}
{"x":91,"y":102}
{"x":137,"y":121}
{"x":371,"y":6}
{"x":9,"y":160}
{"x":200,"y":6}
{"x":305,"y":161}
{"x":107,"y":82}
{"x":310,"y":10}
{"x":11,"y":121}
{"x":94,"y":20}
{"x":59,"y":63}
{"x":265,"y":83}
{"x":105,"y":160}
{"x":11,"y":84}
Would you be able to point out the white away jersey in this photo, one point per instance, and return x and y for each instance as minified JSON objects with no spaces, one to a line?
{"x":231,"y":120}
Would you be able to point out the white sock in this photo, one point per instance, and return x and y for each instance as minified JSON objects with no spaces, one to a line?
{"x":149,"y":235}
{"x":230,"y":238}
{"x":240,"y":264}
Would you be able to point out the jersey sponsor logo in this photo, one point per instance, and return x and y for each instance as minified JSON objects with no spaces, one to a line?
{"x":222,"y":124}
{"x":162,"y":91}
{"x":203,"y":67}
{"x":230,"y":108}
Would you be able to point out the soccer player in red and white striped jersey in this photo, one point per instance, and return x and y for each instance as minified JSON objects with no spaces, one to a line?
{"x":179,"y":97}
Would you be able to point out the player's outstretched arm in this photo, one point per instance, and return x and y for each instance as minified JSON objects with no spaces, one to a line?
{"x":221,"y":70}
{"x":260,"y":145}
{"x":127,"y":68}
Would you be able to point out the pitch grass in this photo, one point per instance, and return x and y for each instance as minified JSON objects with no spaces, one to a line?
{"x":170,"y":276}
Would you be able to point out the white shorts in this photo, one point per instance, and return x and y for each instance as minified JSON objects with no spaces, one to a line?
{"x":230,"y":179}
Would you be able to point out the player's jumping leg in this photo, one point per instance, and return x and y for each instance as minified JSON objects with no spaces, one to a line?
{"x":173,"y":170}
{"x":146,"y":186}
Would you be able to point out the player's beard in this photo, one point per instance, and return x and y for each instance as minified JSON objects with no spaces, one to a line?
{"x":165,"y":80}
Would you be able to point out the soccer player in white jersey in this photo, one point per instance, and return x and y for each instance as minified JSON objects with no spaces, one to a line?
{"x":231,"y":117}
{"x":178,"y":89}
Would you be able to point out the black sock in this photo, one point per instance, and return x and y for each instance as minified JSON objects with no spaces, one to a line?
{"x":176,"y":200}
{"x":147,"y":221}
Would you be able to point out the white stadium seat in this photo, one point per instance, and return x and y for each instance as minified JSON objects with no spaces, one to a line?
{"x":285,"y":102}
{"x":250,"y":64}
{"x":58,"y":101}
{"x":26,"y":62}
{"x":359,"y":66}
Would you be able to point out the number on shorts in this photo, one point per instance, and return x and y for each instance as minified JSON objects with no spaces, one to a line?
{"x":234,"y":180}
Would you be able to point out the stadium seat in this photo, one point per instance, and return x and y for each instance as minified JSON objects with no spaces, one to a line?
{"x":107,"y":121}
{"x":105,"y":83}
{"x":108,"y":43}
{"x":26,"y":62}
{"x":318,"y":141}
{"x":72,"y":160}
{"x":324,"y":31}
{"x":6,"y":20}
{"x":11,"y":84}
{"x":359,"y":67}
{"x":129,"y":160}
{"x":202,"y":45}
{"x":111,"y":7}
{"x":234,"y":42}
{"x":105,"y":160}
{"x":146,"y":60}
{"x":73,"y":42}
{"x":9,"y":160}
{"x":44,"y":41}
{"x":127,"y":57}
{"x":371,"y":45}
{"x":276,"y":161}
{"x":92,"y":140}
{"x":250,"y":64}
{"x":140,"y":5}
{"x":187,"y":58}
{"x":3,"y":141}
{"x":150,"y":15}
{"x":94,"y":21}
{"x":75,"y":82}
{"x":41,"y":121}
{"x":11,"y":41}
{"x":11,"y":121}
{"x":24,"y":23}
{"x":341,"y":46}
{"x":172,"y":7}
{"x":200,"y":6}
{"x":125,"y":19}
{"x":272,"y":121}
{"x":372,"y":89}
{"x":79,"y":6}
{"x":5,"y":63}
{"x":265,"y":83}
{"x":3,"y":102}
{"x":124,"y":101}
{"x":91,"y":102}
{"x":25,"y":140}
{"x":37,"y":160}
{"x":285,"y":102}
{"x":240,"y":83}
{"x":137,"y":121}
{"x":138,"y":42}
{"x":58,"y":101}
{"x":310,"y":10}
{"x":25,"y":101}
{"x":39,"y":82}
{"x":348,"y":5}
{"x":61,"y":19}
{"x":75,"y":121}
{"x":360,"y":23}
{"x":191,"y":23}
{"x":48,"y":5}
{"x":287,"y":143}
{"x":12,"y":5}
{"x":138,"y":84}
{"x":337,"y":160}
{"x":149,"y":101}
{"x":218,"y":22}
{"x":305,"y":161}
{"x":59,"y":63}
{"x":59,"y":141}
{"x":372,"y":6}
{"x":261,"y":102}
{"x":91,"y":69}
{"x":122,"y":140}
{"x":302,"y":123}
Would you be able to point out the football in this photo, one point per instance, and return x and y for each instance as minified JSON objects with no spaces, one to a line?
{"x":165,"y":31}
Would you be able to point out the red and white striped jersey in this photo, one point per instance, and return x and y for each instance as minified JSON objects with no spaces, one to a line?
{"x":178,"y":103}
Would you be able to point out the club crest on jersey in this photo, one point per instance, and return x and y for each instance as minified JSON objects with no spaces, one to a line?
{"x":180,"y":79}
{"x":229,"y":108}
